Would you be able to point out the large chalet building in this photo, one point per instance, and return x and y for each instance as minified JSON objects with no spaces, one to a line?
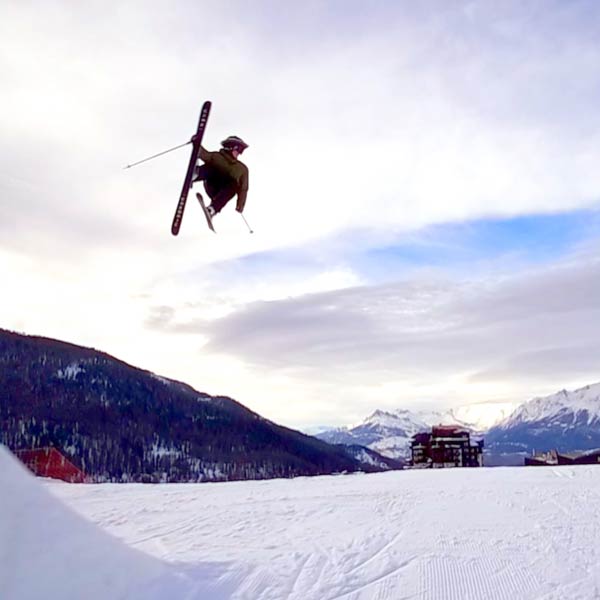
{"x":446,"y":446}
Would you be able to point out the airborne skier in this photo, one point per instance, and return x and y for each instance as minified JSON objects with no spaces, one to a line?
{"x":224,"y":175}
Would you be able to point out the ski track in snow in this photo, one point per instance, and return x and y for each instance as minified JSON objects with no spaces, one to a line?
{"x":468,"y":534}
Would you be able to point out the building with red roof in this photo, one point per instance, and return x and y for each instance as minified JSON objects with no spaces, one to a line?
{"x":446,"y":446}
{"x":49,"y":462}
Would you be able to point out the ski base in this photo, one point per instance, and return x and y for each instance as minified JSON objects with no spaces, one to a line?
{"x":187,"y":184}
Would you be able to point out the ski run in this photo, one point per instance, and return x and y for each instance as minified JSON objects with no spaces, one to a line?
{"x":455,"y":534}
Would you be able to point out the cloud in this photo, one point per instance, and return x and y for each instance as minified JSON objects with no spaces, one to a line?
{"x":481,"y":329}
{"x":567,"y":361}
{"x":406,"y":117}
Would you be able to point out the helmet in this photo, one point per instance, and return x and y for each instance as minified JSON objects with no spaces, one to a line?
{"x":233,"y":142}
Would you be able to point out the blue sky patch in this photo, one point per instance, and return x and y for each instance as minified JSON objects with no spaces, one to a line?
{"x":523,"y":239}
{"x":452,"y":247}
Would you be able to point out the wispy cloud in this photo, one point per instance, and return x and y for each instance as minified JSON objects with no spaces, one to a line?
{"x":536,"y":329}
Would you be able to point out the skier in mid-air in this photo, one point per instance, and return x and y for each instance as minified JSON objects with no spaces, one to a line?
{"x":224,"y":175}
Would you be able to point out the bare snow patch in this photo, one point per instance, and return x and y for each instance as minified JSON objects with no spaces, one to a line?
{"x":70,"y":372}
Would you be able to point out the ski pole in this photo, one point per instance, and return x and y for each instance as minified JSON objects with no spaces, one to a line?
{"x":248,"y":226}
{"x":156,"y":155}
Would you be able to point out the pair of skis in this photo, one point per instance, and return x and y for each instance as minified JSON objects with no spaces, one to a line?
{"x":187,"y":184}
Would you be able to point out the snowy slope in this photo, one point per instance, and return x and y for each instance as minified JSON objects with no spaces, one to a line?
{"x":453,"y":534}
{"x":49,"y":551}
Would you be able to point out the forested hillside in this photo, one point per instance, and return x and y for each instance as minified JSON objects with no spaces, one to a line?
{"x":121,"y":423}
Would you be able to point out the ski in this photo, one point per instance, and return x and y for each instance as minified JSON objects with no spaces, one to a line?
{"x":187,"y":184}
{"x":208,"y":217}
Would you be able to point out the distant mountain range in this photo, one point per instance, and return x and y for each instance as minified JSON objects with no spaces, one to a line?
{"x":121,"y":423}
{"x":567,"y":421}
{"x":390,"y":432}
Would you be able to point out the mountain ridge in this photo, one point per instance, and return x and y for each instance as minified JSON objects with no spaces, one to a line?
{"x":567,"y":421}
{"x":390,"y":432}
{"x":121,"y":423}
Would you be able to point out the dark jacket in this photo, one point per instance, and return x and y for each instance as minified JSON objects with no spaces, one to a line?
{"x":231,"y":167}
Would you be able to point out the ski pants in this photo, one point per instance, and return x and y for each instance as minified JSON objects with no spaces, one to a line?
{"x":220,"y":188}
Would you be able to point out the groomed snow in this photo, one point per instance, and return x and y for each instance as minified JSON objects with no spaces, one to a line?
{"x":485,"y":534}
{"x":493,"y":534}
{"x":47,"y":551}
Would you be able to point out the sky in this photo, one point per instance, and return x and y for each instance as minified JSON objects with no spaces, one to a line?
{"x":424,"y":196}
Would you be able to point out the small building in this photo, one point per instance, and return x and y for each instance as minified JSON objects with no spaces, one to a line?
{"x":551,"y":457}
{"x":590,"y":457}
{"x":554,"y":457}
{"x":49,"y":462}
{"x":446,"y":446}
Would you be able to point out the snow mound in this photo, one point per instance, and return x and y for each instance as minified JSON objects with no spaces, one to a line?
{"x":49,"y":551}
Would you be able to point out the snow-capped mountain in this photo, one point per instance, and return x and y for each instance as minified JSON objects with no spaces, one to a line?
{"x":390,"y":432}
{"x":567,"y":421}
{"x":580,"y":406}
